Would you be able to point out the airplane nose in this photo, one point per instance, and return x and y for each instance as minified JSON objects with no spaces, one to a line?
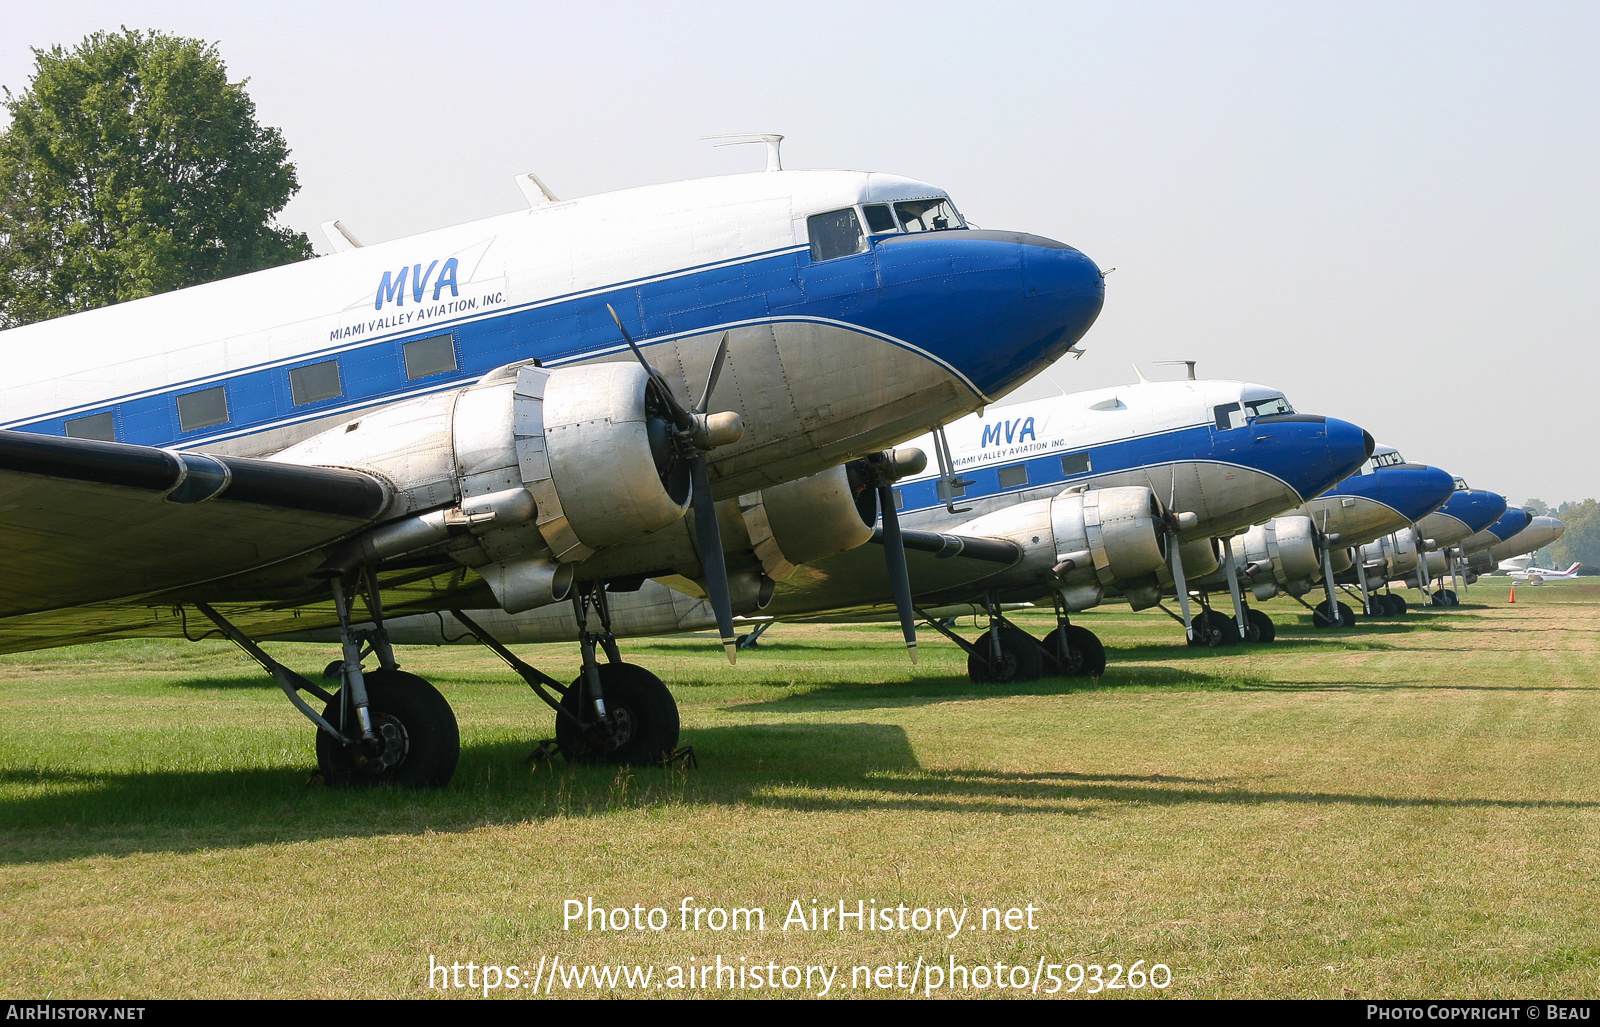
{"x":1372,"y":444}
{"x":999,"y":307}
{"x":1420,"y":490}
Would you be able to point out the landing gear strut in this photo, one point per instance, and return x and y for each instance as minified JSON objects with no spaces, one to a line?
{"x":613,"y":712}
{"x":381,"y":727}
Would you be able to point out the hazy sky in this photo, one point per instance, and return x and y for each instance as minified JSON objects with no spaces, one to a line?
{"x":1391,"y":210}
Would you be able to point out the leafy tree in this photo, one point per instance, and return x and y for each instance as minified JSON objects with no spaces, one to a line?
{"x":132,"y":166}
{"x":1537,"y":507}
{"x":1580,"y":543}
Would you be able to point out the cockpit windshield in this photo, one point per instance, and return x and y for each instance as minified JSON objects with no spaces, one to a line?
{"x":1388,"y":459}
{"x":937,"y":214}
{"x":1462,"y":486}
{"x":1270,"y":405}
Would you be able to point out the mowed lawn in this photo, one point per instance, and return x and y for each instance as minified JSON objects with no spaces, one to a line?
{"x":1411,"y":808}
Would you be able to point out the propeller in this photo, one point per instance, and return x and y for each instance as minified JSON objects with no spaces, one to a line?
{"x":695,"y":434}
{"x":881,"y":471}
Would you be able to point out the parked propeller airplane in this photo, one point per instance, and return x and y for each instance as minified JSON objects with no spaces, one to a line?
{"x":1540,"y":575}
{"x":1069,"y":499}
{"x":507,"y":413}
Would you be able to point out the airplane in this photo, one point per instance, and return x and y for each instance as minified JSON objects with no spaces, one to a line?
{"x":1540,"y":575}
{"x":1288,"y":555}
{"x":1468,"y":512}
{"x":1072,"y":498}
{"x":529,"y":409}
{"x":1540,"y":532}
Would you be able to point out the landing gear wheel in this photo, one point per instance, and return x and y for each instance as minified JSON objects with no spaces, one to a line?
{"x":643,"y":715}
{"x":1085,"y":658}
{"x":1398,"y":607}
{"x":1214,"y":630}
{"x":1446,"y":597}
{"x":1261,"y":626}
{"x":1021,"y":658}
{"x":418,"y":741}
{"x":1343,"y":616}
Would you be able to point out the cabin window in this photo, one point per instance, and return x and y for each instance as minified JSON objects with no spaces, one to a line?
{"x":1014,"y":476}
{"x":433,"y":355}
{"x":1268,"y":407}
{"x":899,"y":500}
{"x":835,"y":234}
{"x":1229,"y":416}
{"x":879,"y":219}
{"x":935,"y":215}
{"x":1075,"y":463}
{"x":202,"y":409}
{"x":100,"y":426}
{"x":315,"y":382}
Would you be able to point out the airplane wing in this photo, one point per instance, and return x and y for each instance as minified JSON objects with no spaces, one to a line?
{"x":938,"y":563}
{"x":90,"y":522}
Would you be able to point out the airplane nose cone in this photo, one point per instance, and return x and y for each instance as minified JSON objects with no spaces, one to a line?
{"x":1371,"y":442}
{"x":1479,"y":509}
{"x":996,"y":307}
{"x":1514,"y":520}
{"x":1348,"y":447}
{"x":1415,"y":490}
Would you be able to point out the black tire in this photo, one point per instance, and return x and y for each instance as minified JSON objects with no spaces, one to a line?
{"x":1341,"y":617}
{"x":419,"y":740}
{"x":1448,"y":597}
{"x":1086,"y":657}
{"x":1261,"y":625}
{"x":1398,"y":607}
{"x":1214,"y":630}
{"x":643,"y":714}
{"x":1022,"y":658}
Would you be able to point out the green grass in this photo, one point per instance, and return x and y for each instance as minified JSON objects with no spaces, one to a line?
{"x":1407,"y":809}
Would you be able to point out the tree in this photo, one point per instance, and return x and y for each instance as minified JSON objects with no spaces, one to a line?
{"x":1580,"y":542}
{"x":132,"y":166}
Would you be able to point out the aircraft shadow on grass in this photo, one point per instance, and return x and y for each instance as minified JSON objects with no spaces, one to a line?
{"x":800,"y":767}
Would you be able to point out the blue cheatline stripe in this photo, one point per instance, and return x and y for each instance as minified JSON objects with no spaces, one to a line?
{"x":765,"y":289}
{"x":1195,"y":444}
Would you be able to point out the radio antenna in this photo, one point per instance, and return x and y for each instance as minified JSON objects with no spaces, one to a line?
{"x":773,"y":141}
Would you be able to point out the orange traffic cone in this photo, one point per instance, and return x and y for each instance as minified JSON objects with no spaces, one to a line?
{"x":1513,"y":591}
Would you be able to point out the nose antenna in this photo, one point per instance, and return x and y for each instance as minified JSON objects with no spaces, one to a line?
{"x":1187,"y":363}
{"x":772,"y":139}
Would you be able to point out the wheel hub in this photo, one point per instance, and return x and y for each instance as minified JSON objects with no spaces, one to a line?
{"x":393,"y":744}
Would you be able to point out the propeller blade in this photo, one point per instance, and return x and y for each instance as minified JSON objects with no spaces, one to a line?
{"x":708,"y":539}
{"x":680,"y":416}
{"x":704,"y":406}
{"x":894,"y":554}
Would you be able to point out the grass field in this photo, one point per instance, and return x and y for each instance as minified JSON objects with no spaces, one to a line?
{"x":1408,"y":809}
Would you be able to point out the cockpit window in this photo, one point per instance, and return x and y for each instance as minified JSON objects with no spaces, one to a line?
{"x":933,"y":215}
{"x":1387,"y":459}
{"x":1462,"y":486}
{"x":1229,"y":416}
{"x":1266,"y":407}
{"x":835,"y":234}
{"x":879,"y":219}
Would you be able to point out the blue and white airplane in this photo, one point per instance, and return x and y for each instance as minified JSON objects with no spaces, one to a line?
{"x":504,"y":413}
{"x":1289,"y":554}
{"x":1070,"y":499}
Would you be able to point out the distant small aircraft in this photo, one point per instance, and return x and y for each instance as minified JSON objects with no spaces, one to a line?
{"x":1540,"y":575}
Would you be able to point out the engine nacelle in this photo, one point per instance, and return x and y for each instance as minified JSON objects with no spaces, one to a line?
{"x":805,"y":520}
{"x":1279,"y":552}
{"x":536,"y":467}
{"x":1082,"y":544}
